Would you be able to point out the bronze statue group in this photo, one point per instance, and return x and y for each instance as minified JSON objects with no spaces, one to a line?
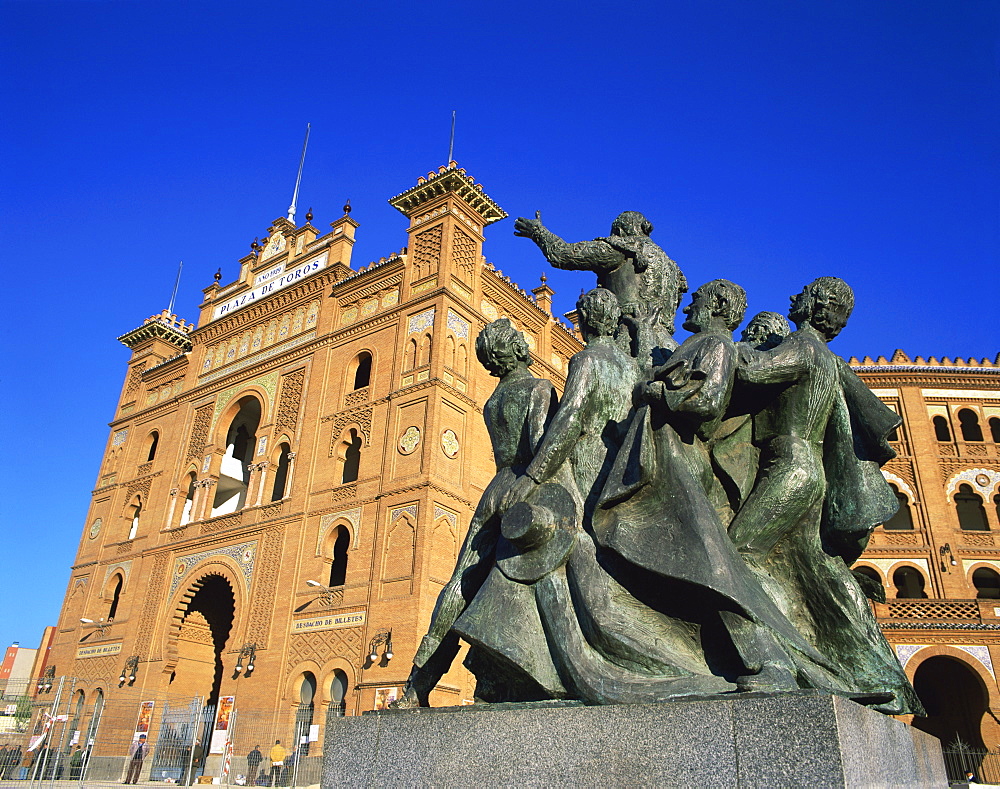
{"x":683,"y":520}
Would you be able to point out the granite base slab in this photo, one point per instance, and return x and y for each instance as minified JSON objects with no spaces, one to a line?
{"x":805,"y":739}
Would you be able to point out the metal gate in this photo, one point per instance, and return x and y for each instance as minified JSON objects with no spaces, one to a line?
{"x":176,"y":758}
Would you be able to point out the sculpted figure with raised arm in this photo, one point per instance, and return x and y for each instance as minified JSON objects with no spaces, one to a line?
{"x":648,"y":284}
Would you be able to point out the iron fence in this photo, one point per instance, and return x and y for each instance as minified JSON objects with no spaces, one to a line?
{"x":962,"y":762}
{"x":53,"y":738}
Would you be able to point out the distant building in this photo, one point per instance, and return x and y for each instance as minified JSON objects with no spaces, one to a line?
{"x":17,"y":664}
{"x":939,"y":557}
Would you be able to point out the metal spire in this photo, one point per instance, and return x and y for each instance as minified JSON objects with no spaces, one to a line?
{"x":173,"y":296}
{"x":298,"y":179}
{"x":451,"y":144}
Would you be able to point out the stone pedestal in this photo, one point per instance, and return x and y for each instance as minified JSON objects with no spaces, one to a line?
{"x":800,"y":739}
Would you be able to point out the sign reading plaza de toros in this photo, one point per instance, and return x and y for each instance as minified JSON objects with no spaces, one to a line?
{"x":270,"y":281}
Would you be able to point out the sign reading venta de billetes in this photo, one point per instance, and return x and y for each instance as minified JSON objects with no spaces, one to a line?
{"x":272,"y":280}
{"x":99,"y":651}
{"x":332,"y":622}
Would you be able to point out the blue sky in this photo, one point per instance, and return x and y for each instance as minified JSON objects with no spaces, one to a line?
{"x":769,"y":142}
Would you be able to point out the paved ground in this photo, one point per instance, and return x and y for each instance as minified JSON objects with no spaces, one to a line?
{"x":7,"y":784}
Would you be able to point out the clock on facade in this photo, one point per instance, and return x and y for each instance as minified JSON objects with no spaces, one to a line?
{"x":274,"y":245}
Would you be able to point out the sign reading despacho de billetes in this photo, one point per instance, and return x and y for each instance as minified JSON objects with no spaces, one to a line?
{"x":333,"y":622}
{"x":270,"y":281}
{"x":99,"y":651}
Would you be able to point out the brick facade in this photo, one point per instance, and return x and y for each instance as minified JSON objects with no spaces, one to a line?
{"x":362,"y":400}
{"x":942,"y":611}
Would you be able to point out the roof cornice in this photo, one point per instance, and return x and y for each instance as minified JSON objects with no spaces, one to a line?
{"x":448,"y":179}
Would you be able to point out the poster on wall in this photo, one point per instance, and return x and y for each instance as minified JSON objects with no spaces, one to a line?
{"x":145,"y":716}
{"x":220,"y":732}
{"x":384,"y":697}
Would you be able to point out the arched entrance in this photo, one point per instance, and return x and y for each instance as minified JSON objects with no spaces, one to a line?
{"x":338,"y":694}
{"x":201,"y":640}
{"x":304,"y":712}
{"x":955,"y":699}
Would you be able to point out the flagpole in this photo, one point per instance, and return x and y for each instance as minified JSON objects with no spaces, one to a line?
{"x":298,"y":179}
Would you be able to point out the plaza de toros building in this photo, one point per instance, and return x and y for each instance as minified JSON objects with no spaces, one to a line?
{"x":939,"y":557}
{"x":287,"y":483}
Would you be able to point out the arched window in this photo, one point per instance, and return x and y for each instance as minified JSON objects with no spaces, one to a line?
{"x":410,"y":355}
{"x":338,"y":568}
{"x":281,"y":473}
{"x":81,"y":699}
{"x":186,"y":511}
{"x":996,"y":501}
{"x":941,"y":430}
{"x":153,"y":440}
{"x":234,"y":471}
{"x":987,"y":583}
{"x":909,"y":583}
{"x":338,"y":694}
{"x":424,"y":354}
{"x":868,"y":572}
{"x":969,"y":506}
{"x":362,"y":370}
{"x":969,"y":422}
{"x":351,"y":447}
{"x":95,"y":718}
{"x":116,"y":596}
{"x":995,"y":428}
{"x":903,"y":519}
{"x":304,"y":713}
{"x":135,"y":510}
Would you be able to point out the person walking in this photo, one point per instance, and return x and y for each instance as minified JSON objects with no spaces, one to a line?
{"x":136,"y":753}
{"x":254,"y":758}
{"x":277,"y":755}
{"x":76,"y":764}
{"x":195,"y":754}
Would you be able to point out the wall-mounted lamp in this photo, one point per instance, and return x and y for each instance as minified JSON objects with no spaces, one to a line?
{"x":47,"y":679}
{"x":947,"y":558}
{"x":100,"y":627}
{"x":324,"y":591}
{"x":129,"y":672}
{"x":382,"y":638}
{"x":248,"y":653}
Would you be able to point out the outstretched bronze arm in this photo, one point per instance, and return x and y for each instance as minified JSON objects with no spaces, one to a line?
{"x":597,"y":255}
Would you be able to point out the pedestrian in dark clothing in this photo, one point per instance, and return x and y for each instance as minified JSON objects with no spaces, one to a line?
{"x":254,"y":758}
{"x":75,"y":764}
{"x":136,"y":753}
{"x":197,"y":752}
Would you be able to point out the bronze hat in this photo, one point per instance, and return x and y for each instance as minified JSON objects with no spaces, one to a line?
{"x":536,"y":536}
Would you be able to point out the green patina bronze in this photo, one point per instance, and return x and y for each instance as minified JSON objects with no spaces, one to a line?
{"x":683,"y":522}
